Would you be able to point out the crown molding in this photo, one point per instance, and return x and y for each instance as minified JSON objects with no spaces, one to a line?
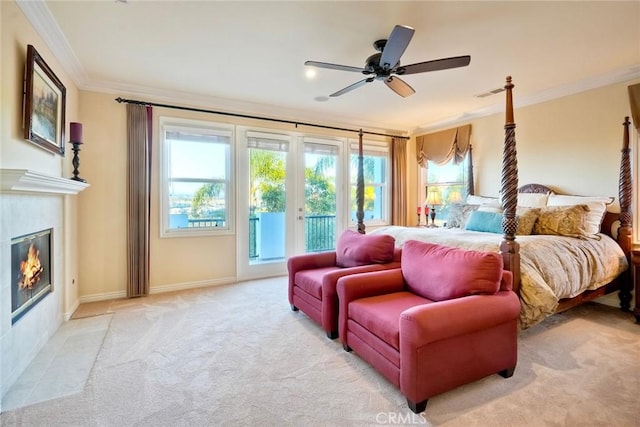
{"x":40,"y":17}
{"x":618,"y":76}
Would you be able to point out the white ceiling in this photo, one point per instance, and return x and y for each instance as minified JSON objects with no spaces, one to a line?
{"x":249,"y":56}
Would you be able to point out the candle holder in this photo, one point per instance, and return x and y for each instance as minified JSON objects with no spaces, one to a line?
{"x":418,"y":220}
{"x":76,"y":161}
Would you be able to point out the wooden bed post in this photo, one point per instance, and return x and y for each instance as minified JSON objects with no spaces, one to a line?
{"x":470,"y":184}
{"x":360,"y":187}
{"x":509,"y":248}
{"x":625,"y":191}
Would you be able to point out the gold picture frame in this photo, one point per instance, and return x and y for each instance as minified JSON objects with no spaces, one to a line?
{"x":44,"y":104}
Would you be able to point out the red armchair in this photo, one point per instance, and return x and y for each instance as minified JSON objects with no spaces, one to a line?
{"x":447,"y":317}
{"x":313,"y":277}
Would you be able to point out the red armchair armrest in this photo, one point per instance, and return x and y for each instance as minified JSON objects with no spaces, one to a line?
{"x":427,"y":323}
{"x":307,"y":262}
{"x":330,"y":280}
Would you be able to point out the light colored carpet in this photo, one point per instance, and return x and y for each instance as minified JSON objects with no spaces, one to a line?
{"x":236,"y":355}
{"x":63,"y":365}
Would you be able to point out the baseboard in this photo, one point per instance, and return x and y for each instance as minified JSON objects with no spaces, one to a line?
{"x":68,"y":314}
{"x":159,"y":289}
{"x":103,"y":297}
{"x":192,"y":285}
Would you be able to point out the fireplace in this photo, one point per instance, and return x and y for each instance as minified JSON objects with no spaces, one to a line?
{"x":30,"y":272}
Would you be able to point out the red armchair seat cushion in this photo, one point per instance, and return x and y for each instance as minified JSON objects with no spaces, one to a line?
{"x":311,"y":280}
{"x":441,"y":272}
{"x":354,"y":249}
{"x":380,"y":314}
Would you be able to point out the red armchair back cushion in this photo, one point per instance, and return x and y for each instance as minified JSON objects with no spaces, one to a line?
{"x":457,"y":272}
{"x":354,"y":249}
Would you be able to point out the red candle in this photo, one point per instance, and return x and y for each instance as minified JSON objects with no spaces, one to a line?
{"x":426,"y":210}
{"x":76,"y":132}
{"x":419,"y":210}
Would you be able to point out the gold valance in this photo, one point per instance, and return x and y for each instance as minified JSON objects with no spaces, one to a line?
{"x":441,"y":147}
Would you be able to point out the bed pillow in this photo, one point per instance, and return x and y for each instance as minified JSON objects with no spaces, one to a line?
{"x":527,"y":218}
{"x":571,"y":221}
{"x":495,"y":207}
{"x":459,"y":214}
{"x":490,"y":222}
{"x":533,"y":200}
{"x":472,"y":199}
{"x":354,"y":249}
{"x":441,"y":272}
{"x":597,"y":208}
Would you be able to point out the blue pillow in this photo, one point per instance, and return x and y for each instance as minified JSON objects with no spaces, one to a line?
{"x":490,"y":222}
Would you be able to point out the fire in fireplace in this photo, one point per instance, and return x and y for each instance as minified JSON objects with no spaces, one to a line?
{"x":30,"y":272}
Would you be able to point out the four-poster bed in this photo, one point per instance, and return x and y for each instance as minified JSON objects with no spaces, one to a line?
{"x":579,"y":269}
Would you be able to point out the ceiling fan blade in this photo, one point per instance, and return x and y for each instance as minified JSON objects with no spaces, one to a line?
{"x":352,"y":87}
{"x":435,"y":65}
{"x":396,"y":45}
{"x":333,"y":66}
{"x":399,"y":86}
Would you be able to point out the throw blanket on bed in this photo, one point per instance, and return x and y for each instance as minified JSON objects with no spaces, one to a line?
{"x":551,"y":267}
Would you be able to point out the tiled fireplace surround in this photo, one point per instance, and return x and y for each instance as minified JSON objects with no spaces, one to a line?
{"x":31,"y":202}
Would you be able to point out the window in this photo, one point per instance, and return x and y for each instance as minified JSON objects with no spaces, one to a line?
{"x":377,"y":200}
{"x":449,"y":183}
{"x":196,"y":188}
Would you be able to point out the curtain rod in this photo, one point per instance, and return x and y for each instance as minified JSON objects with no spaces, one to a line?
{"x":247,"y":116}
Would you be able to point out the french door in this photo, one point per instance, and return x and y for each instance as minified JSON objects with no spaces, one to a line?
{"x":288,"y":199}
{"x":319,"y":209}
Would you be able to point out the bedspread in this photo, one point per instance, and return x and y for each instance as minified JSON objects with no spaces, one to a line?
{"x":551,"y":267}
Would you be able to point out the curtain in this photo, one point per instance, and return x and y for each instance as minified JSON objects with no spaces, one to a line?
{"x":634,"y":103}
{"x":399,"y":181}
{"x":360,"y":187}
{"x":139,"y":121}
{"x":441,"y":147}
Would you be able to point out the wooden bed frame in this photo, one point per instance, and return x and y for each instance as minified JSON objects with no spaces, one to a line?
{"x":616,"y":225}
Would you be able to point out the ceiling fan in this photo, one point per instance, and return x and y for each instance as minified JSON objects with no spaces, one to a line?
{"x":385,"y":65}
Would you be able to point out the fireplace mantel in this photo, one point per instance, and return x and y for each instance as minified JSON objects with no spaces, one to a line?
{"x":24,"y":180}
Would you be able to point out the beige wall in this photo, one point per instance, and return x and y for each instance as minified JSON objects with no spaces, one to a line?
{"x":102,"y":207}
{"x":571,"y":144}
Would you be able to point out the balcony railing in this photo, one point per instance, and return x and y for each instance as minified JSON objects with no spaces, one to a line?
{"x":320,"y":232}
{"x":206,"y":222}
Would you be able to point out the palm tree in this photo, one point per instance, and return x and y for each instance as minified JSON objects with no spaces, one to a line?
{"x":267,"y":175}
{"x":203,"y":196}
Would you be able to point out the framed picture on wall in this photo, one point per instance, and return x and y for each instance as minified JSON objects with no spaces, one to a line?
{"x":44,"y":104}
